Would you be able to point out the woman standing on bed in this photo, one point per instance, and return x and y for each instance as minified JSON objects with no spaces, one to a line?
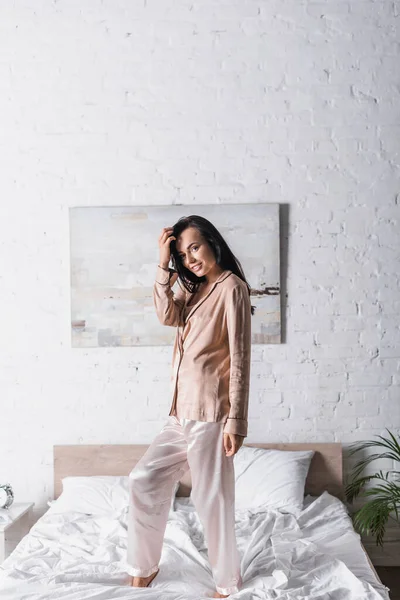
{"x":207,"y":422}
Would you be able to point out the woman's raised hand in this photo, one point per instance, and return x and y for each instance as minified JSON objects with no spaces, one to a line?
{"x":164,"y":241}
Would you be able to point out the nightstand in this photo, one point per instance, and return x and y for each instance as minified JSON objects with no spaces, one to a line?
{"x":390,"y":576}
{"x":16,"y":527}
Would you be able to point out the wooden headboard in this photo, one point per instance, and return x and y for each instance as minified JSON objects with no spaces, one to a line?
{"x":325,"y":470}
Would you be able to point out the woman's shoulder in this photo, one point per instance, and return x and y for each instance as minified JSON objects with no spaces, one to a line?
{"x":233,"y":281}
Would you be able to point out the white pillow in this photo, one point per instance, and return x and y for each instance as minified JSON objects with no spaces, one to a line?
{"x":96,"y":495}
{"x":271,"y":478}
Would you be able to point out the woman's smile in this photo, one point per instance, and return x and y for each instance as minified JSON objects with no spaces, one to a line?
{"x":196,"y":267}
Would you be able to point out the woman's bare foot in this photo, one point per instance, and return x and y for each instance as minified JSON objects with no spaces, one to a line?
{"x":142,"y":581}
{"x":218,"y":595}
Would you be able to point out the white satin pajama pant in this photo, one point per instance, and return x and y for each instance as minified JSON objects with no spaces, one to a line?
{"x":180,"y":445}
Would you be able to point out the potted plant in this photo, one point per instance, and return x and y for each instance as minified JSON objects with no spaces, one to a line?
{"x":373,"y":516}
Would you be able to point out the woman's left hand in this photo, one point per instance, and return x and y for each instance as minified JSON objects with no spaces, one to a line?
{"x":232,"y":443}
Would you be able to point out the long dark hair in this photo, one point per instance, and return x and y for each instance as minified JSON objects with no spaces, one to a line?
{"x":223,"y":254}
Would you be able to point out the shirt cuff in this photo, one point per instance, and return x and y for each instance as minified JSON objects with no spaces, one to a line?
{"x":236,"y":427}
{"x":163,"y":276}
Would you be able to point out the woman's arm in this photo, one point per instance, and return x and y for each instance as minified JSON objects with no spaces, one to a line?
{"x":239,"y":334}
{"x":168,"y":305}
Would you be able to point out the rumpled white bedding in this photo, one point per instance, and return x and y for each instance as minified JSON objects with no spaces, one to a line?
{"x":316,"y":556}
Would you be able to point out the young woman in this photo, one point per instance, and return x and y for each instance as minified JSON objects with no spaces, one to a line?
{"x":207,"y":422}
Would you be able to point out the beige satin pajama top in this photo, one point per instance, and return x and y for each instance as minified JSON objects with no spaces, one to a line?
{"x":210,"y":376}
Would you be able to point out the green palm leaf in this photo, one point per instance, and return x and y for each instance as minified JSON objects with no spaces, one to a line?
{"x":373,"y":516}
{"x":354,"y":488}
{"x":363,"y":463}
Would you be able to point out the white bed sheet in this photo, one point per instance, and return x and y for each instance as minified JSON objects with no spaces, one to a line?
{"x":317,"y":556}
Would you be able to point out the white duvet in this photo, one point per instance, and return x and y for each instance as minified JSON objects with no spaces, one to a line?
{"x":317,"y":556}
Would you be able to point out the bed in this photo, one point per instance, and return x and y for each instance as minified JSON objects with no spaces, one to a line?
{"x":72,"y":555}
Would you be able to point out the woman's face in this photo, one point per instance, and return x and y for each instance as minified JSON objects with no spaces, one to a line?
{"x":195,"y":253}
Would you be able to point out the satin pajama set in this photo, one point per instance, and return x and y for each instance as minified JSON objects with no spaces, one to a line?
{"x":192,"y":437}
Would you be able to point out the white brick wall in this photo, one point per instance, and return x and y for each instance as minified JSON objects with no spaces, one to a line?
{"x":123,"y":103}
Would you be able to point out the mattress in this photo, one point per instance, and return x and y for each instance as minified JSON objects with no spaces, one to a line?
{"x":317,"y":555}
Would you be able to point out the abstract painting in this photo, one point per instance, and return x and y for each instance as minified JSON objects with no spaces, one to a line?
{"x":114,"y":254}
